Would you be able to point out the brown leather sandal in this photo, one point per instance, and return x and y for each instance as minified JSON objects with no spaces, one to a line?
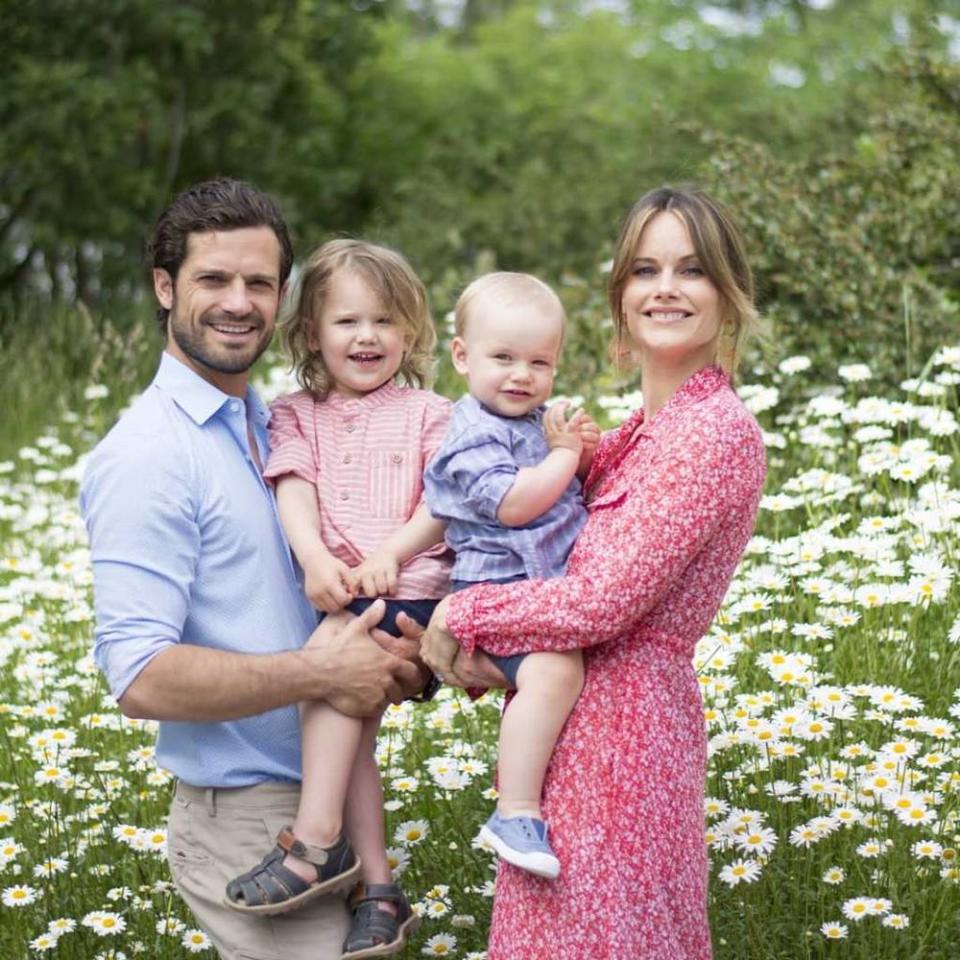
{"x":271,"y":888}
{"x":375,"y":932}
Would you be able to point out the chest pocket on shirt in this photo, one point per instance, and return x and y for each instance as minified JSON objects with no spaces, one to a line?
{"x":609,"y":498}
{"x":394,"y":484}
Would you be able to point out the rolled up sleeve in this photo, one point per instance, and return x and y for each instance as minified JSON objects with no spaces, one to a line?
{"x":484,"y":473}
{"x":144,"y":542}
{"x":290,"y":450}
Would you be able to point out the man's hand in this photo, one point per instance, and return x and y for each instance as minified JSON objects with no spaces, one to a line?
{"x":561,"y":432}
{"x":361,"y":676}
{"x":327,"y":583}
{"x":377,"y":575}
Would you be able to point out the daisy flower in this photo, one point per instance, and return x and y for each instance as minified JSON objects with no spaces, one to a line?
{"x":834,"y":930}
{"x":740,"y":871}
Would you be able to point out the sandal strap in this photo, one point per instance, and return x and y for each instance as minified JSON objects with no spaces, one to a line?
{"x":270,"y":881}
{"x":289,"y":842}
{"x":377,"y":891}
{"x":371,"y":926}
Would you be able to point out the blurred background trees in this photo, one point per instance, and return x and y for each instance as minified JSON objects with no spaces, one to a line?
{"x":509,"y":133}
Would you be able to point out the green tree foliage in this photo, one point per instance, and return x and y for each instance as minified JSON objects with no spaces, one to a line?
{"x":529,"y":134}
{"x":107,"y":108}
{"x":509,"y":133}
{"x":858,"y":247}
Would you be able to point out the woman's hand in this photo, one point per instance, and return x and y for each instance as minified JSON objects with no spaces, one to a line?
{"x":439,"y":646}
{"x":474,"y":670}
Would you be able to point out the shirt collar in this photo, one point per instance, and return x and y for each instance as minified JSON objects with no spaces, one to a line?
{"x":199,"y":399}
{"x":369,"y":401}
{"x":533,"y":416}
{"x":695,"y":388}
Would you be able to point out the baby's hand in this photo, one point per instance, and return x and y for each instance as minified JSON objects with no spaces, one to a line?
{"x":377,"y":575}
{"x":327,"y":584}
{"x":590,"y":435}
{"x":560,"y":432}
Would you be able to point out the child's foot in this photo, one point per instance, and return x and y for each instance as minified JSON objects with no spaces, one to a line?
{"x":375,"y":931}
{"x":271,"y":887}
{"x":523,"y":842}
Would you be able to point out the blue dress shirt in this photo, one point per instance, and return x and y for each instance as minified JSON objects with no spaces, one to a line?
{"x":187,"y":548}
{"x":469,"y":477}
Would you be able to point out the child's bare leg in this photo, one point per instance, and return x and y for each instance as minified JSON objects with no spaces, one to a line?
{"x":330,"y":744}
{"x":548,"y":685}
{"x":364,"y":813}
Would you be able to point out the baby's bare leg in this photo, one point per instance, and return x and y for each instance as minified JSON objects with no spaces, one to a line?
{"x":548,"y":685}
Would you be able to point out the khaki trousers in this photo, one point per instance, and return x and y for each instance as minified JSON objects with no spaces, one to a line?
{"x":213,"y":835}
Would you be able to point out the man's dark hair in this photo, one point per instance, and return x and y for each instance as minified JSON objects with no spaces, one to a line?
{"x":214,"y":205}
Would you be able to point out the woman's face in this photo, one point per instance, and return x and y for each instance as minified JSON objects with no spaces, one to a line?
{"x":671,"y":307}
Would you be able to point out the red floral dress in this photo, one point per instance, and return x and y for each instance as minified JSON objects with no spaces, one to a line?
{"x":672,"y":505}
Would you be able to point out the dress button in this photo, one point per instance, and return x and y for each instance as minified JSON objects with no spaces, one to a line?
{"x":351,"y":427}
{"x":347,"y":458}
{"x":344,"y":494}
{"x":397,"y":458}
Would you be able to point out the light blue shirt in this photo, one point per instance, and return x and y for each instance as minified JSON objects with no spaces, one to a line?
{"x":187,"y":548}
{"x":471,"y":474}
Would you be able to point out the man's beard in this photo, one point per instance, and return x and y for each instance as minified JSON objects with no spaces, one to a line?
{"x":193,"y":341}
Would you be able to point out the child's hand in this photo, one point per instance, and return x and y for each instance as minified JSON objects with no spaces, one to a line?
{"x":377,"y":575}
{"x":590,"y":435}
{"x":327,"y":584}
{"x":560,"y":432}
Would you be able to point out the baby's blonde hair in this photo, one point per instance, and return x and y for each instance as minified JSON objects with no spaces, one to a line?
{"x":507,"y":287}
{"x":397,"y":288}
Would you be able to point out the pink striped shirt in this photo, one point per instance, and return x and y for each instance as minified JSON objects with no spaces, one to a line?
{"x":365,"y":456}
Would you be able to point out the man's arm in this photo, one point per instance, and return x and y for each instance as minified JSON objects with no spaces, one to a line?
{"x":342,"y":665}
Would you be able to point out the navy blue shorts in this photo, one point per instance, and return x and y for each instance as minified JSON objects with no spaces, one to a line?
{"x":508,"y":666}
{"x":420,"y":610}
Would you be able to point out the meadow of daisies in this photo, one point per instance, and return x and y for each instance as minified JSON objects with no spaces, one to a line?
{"x":831,"y":685}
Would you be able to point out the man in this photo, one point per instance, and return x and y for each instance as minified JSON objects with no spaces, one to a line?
{"x":201,"y":621}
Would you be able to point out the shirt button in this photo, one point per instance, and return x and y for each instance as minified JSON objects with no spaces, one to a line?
{"x":397,"y":458}
{"x":347,"y":458}
{"x":344,"y":494}
{"x":351,"y":427}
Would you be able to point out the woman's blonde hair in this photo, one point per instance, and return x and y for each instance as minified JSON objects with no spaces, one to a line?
{"x":720,"y":251}
{"x":397,"y":288}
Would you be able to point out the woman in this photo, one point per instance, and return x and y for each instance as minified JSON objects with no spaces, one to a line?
{"x":672,"y":499}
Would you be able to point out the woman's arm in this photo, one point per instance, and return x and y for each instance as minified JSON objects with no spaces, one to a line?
{"x":670,"y":512}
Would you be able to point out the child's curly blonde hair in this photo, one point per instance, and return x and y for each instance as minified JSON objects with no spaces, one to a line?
{"x":397,"y":288}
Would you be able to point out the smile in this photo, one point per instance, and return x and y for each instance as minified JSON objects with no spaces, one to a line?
{"x":668,"y":316}
{"x":365,"y":357}
{"x":233,"y":329}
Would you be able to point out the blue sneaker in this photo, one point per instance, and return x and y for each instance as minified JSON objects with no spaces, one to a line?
{"x":523,"y":842}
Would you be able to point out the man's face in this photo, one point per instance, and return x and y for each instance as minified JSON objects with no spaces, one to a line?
{"x":223,"y":304}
